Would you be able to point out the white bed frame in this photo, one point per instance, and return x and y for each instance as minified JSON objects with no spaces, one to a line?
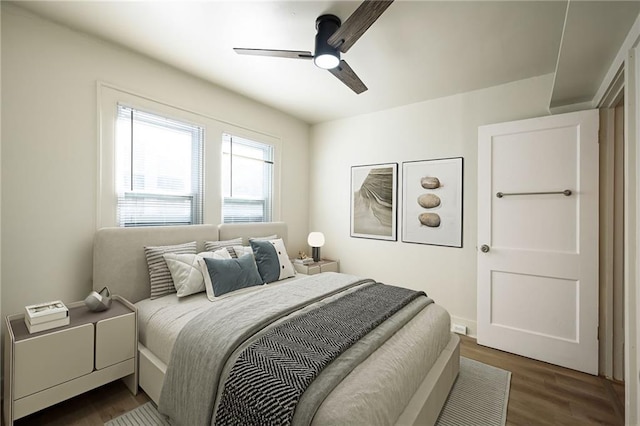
{"x":119,"y":263}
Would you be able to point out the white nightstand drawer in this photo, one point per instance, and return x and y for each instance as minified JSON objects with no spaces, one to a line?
{"x":317,"y":267}
{"x":330,"y":266}
{"x":47,"y":367}
{"x":45,"y":361}
{"x":115,"y":340}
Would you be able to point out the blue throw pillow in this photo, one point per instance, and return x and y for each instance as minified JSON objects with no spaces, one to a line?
{"x":266,"y":259}
{"x":229,"y":275}
{"x":272,"y":260}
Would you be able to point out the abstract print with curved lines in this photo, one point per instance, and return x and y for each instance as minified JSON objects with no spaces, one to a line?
{"x":373,"y":203}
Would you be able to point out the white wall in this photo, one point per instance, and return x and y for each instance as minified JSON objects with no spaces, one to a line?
{"x":1,"y":355}
{"x":49,"y":149}
{"x":632,"y":232}
{"x":440,"y":128}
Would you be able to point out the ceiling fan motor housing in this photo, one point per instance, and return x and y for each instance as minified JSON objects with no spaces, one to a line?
{"x":326,"y":25}
{"x":327,"y":56}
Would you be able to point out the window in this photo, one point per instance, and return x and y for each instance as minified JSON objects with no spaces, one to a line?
{"x":154,"y":158}
{"x":247,"y":180}
{"x":159,"y":171}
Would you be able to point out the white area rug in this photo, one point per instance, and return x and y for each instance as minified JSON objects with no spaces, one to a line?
{"x":144,"y":415}
{"x":479,"y":398}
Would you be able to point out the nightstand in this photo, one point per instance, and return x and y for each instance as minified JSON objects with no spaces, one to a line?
{"x":44,"y":368}
{"x":325,"y":265}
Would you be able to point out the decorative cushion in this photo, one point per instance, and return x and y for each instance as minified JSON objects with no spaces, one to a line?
{"x":242,"y":250}
{"x":186,"y":271}
{"x":229,"y":275}
{"x":219,"y":254}
{"x":159,"y":274}
{"x":272,"y":260}
{"x":228,"y":244}
{"x":268,"y":237}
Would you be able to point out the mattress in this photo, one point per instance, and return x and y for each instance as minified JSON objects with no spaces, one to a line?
{"x":160,"y":320}
{"x":375,"y":392}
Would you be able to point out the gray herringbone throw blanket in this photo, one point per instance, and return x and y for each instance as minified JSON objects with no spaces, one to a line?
{"x":271,"y":374}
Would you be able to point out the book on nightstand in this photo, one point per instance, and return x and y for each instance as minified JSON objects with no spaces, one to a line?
{"x":305,"y":261}
{"x":35,"y":328}
{"x":43,"y":316}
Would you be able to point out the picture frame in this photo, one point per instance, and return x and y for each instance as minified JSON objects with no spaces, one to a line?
{"x":374,"y":201}
{"x":432,"y":194}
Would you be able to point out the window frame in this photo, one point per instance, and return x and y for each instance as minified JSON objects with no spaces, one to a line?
{"x":108,"y":97}
{"x":268,"y":203}
{"x":197,"y":160}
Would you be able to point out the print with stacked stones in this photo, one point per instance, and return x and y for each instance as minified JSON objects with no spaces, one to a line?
{"x":429,"y":201}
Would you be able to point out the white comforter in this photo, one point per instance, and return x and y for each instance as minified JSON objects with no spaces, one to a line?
{"x":375,"y":392}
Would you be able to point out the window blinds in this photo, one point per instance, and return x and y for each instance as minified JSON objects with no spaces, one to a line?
{"x":159,"y":170}
{"x":247,"y":180}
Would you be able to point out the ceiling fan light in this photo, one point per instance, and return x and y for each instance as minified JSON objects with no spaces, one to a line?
{"x":326,"y":56}
{"x":326,"y":61}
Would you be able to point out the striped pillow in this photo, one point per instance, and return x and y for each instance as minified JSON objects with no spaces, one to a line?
{"x":228,"y":244}
{"x":159,"y":274}
{"x":266,"y":238}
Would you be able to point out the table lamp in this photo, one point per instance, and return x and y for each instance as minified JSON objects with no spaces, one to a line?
{"x":316,"y":240}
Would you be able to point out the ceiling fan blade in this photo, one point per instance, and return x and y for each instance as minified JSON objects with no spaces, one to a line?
{"x":292,"y":54}
{"x":356,"y":24}
{"x":346,"y":75}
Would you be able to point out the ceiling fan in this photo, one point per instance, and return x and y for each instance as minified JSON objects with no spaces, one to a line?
{"x":332,"y":38}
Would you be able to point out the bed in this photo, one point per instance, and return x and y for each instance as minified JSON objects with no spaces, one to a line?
{"x":404,"y":380}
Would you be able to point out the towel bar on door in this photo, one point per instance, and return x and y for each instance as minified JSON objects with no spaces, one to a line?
{"x":566,"y":192}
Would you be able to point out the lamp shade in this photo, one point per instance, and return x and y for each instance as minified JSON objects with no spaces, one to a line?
{"x":316,"y":239}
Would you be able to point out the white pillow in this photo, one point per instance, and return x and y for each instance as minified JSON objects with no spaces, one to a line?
{"x":222,"y":253}
{"x":186,"y":271}
{"x":242,"y":250}
{"x":286,"y":267}
{"x":267,"y":238}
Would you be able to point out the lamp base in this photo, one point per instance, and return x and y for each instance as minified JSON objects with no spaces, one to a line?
{"x":315,"y":252}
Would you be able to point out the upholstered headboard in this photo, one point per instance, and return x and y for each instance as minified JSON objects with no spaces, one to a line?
{"x":228,"y":231}
{"x":119,"y":261}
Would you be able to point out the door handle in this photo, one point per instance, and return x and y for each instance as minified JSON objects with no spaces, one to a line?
{"x":484,"y":248}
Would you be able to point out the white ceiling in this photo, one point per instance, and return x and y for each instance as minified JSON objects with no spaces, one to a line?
{"x":417,"y":50}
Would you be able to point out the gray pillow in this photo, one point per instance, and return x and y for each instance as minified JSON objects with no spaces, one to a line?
{"x":229,"y":275}
{"x":159,"y":274}
{"x":272,"y":260}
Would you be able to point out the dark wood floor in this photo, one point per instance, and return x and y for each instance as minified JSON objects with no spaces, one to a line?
{"x":541,"y":394}
{"x":545,"y":394}
{"x":93,"y":408}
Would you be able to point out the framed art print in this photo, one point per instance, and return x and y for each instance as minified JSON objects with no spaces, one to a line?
{"x":432,"y":202}
{"x":374,"y":201}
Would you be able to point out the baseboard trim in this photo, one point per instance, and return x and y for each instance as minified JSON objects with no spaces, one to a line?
{"x":472,"y":326}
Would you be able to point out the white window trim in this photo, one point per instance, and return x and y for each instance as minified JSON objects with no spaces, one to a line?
{"x":275,"y":199}
{"x":108,"y":97}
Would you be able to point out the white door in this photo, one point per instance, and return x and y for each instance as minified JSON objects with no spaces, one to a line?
{"x":537,"y":247}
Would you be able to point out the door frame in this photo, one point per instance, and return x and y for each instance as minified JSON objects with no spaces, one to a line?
{"x":632,"y":236}
{"x":611,"y":311}
{"x":624,"y":74}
